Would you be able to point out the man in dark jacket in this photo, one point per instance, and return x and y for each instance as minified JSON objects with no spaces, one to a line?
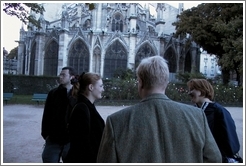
{"x":54,"y":124}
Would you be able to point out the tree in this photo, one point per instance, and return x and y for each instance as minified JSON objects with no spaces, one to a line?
{"x":218,"y":29}
{"x":13,"y":53}
{"x":21,"y":11}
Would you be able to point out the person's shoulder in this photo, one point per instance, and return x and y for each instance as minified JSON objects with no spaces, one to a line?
{"x":215,"y":106}
{"x":187,"y":109}
{"x":123,"y":111}
{"x":219,"y":107}
{"x":81,"y":104}
{"x":184,"y":105}
{"x":52,"y":90}
{"x":57,"y":87}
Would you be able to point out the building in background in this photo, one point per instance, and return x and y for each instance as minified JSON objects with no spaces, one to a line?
{"x":9,"y":65}
{"x":208,"y":65}
{"x":113,"y":36}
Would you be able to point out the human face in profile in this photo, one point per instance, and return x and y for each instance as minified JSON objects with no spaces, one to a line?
{"x":195,"y":96}
{"x":97,"y":89}
{"x":65,"y":77}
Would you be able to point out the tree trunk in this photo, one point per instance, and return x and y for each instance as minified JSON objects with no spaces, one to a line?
{"x":225,"y":76}
{"x":238,"y":78}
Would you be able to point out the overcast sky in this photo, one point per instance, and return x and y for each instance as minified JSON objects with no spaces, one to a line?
{"x":10,"y":26}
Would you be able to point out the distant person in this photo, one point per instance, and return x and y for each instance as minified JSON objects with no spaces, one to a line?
{"x":85,"y":123}
{"x":54,"y":124}
{"x":219,"y":118}
{"x":157,"y":130}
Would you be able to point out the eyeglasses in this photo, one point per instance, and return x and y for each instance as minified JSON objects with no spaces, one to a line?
{"x":190,"y":93}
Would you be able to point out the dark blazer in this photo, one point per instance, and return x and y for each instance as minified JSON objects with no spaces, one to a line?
{"x":85,"y":131}
{"x":54,"y":123}
{"x":223,"y":129}
{"x":158,"y":130}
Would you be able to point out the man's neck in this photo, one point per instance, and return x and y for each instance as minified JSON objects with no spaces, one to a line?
{"x":68,"y":86}
{"x":146,"y":92}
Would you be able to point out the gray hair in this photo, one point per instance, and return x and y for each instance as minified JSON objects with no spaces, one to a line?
{"x":153,"y":71}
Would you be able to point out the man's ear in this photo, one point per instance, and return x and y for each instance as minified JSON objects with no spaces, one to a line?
{"x":90,"y":87}
{"x":71,"y":77}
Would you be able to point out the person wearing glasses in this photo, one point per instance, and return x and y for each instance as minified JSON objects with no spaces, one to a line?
{"x":219,"y":119}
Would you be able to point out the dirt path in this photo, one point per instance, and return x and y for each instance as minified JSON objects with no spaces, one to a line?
{"x":22,"y":142}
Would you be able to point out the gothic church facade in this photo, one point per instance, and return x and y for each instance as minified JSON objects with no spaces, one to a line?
{"x":110,"y":37}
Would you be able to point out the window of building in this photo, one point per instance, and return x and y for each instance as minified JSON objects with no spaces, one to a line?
{"x":78,"y":57}
{"x":32,"y":60}
{"x":115,"y":58}
{"x":171,"y":58}
{"x":144,"y":51}
{"x":51,"y":59}
{"x":117,"y":22}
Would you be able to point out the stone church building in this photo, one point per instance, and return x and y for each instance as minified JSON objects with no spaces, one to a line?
{"x":110,"y":37}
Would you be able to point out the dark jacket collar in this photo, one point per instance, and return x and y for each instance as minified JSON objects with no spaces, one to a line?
{"x":83,"y":99}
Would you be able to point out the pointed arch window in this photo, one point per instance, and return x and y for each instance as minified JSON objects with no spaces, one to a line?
{"x":32,"y":59}
{"x":115,"y":58}
{"x":117,"y":22}
{"x":51,"y":59}
{"x":144,"y":51}
{"x":171,"y":58}
{"x":78,"y":57}
{"x":187,"y":67}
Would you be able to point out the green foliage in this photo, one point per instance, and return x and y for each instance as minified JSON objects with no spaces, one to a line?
{"x":91,"y":6}
{"x":228,"y":94}
{"x":124,"y":74}
{"x":27,"y":85}
{"x":123,"y":86}
{"x":13,"y":53}
{"x":225,"y":95}
{"x":21,"y":11}
{"x":185,"y":77}
{"x":117,"y":91}
{"x":218,"y":29}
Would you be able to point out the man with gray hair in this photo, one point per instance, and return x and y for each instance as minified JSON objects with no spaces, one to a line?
{"x":157,"y":129}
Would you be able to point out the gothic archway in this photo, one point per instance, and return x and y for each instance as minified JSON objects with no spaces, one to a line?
{"x":144,"y":51}
{"x":117,"y":22}
{"x":115,"y":58}
{"x":171,"y":58}
{"x":78,"y":56}
{"x":51,"y":59}
{"x":32,"y":60}
{"x":187,"y":67}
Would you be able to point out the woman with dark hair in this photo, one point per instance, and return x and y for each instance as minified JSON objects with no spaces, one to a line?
{"x":85,"y":123}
